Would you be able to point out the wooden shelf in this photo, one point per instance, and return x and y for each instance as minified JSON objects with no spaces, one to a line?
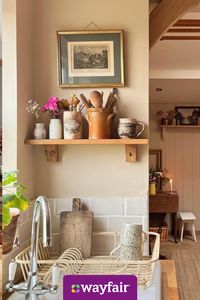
{"x":51,"y":146}
{"x":165,"y":127}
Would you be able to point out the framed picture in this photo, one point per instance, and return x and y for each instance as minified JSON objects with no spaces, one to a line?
{"x":90,"y":58}
{"x":187,"y":115}
{"x":155,"y":159}
{"x":155,"y":165}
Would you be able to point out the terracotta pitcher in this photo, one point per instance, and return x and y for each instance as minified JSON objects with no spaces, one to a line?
{"x":100,"y":122}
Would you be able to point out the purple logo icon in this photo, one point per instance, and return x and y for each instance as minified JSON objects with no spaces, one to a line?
{"x":104,"y":287}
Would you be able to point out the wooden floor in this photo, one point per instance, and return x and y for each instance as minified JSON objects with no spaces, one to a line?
{"x":186,"y":256}
{"x":169,"y":282}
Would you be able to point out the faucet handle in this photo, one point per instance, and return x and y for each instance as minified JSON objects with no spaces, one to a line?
{"x":12,"y":270}
{"x":55,"y":275}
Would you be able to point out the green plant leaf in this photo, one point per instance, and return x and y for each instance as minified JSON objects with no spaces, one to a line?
{"x":19,"y":187}
{"x":22,"y":203}
{"x":7,"y":198}
{"x":6,"y":216}
{"x":9,"y":178}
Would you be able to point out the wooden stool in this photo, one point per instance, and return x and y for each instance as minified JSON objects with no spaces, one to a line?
{"x":187,"y":217}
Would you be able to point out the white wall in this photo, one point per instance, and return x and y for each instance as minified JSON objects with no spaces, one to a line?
{"x":93,"y":170}
{"x":17,"y":89}
{"x":181,"y":158}
{"x":30,"y":59}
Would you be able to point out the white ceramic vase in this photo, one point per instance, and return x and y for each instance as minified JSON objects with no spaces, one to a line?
{"x":55,"y":129}
{"x":39,"y":131}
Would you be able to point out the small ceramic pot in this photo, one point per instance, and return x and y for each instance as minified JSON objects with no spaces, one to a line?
{"x":130,"y":128}
{"x":72,"y":125}
{"x":55,"y":129}
{"x":39,"y":131}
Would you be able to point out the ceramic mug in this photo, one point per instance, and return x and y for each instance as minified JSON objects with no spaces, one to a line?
{"x":130,"y":128}
{"x":131,"y":234}
{"x":131,"y":242}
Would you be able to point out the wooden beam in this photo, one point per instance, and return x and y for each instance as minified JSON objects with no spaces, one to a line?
{"x":180,"y":38}
{"x":164,"y":15}
{"x":187,"y":23}
{"x":184,"y":30}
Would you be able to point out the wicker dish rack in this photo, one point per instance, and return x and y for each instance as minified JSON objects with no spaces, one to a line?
{"x":71,"y":262}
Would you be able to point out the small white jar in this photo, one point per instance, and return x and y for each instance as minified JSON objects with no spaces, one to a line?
{"x":39,"y":131}
{"x":55,"y":129}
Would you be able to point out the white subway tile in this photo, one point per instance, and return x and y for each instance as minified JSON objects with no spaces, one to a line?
{"x":115,"y":223}
{"x":145,"y":223}
{"x":25,"y":232}
{"x":100,"y":224}
{"x":55,"y":244}
{"x":106,"y":206}
{"x":102,"y":245}
{"x":136,"y":206}
{"x":55,"y":223}
{"x":62,"y":204}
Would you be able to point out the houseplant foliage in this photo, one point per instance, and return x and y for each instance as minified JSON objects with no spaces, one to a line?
{"x":13,"y":199}
{"x":13,"y":196}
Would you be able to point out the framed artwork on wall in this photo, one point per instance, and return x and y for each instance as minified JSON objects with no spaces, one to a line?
{"x":155,"y":165}
{"x":155,"y":159}
{"x":187,"y":115}
{"x":90,"y":58}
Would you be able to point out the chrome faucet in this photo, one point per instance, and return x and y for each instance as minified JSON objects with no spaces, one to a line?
{"x":32,"y":288}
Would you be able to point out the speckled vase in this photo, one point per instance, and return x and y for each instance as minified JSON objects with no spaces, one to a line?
{"x":131,"y":242}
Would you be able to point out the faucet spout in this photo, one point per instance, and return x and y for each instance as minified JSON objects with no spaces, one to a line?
{"x":32,"y":289}
{"x":41,"y":206}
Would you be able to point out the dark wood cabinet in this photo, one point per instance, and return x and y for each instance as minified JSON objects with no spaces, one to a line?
{"x":165,"y":202}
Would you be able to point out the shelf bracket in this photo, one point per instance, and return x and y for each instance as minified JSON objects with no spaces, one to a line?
{"x":130,"y":153}
{"x":163,"y":133}
{"x":51,"y":152}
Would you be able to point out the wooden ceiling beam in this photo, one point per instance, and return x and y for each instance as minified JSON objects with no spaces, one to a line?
{"x":184,"y":30}
{"x":164,"y":15}
{"x":187,"y":23}
{"x":180,"y":38}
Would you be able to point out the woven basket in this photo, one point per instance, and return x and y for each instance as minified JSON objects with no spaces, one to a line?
{"x":71,"y":262}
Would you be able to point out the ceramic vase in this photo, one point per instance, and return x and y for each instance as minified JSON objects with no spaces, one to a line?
{"x":131,"y":242}
{"x":55,"y":129}
{"x":72,"y":125}
{"x":39,"y":131}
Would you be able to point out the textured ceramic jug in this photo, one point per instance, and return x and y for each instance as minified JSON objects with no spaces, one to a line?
{"x":100,"y":122}
{"x":72,"y":125}
{"x":131,"y":242}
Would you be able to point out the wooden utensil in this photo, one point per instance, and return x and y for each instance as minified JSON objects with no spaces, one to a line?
{"x":96,"y":99}
{"x":76,"y":229}
{"x":84,"y":100}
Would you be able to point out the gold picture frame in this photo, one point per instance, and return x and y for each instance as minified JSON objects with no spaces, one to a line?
{"x":90,"y":58}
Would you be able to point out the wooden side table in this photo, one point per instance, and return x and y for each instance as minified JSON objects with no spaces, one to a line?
{"x":165,"y":202}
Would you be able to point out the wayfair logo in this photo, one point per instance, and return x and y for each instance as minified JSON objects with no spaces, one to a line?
{"x":99,"y":287}
{"x":110,"y":287}
{"x":75,"y":288}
